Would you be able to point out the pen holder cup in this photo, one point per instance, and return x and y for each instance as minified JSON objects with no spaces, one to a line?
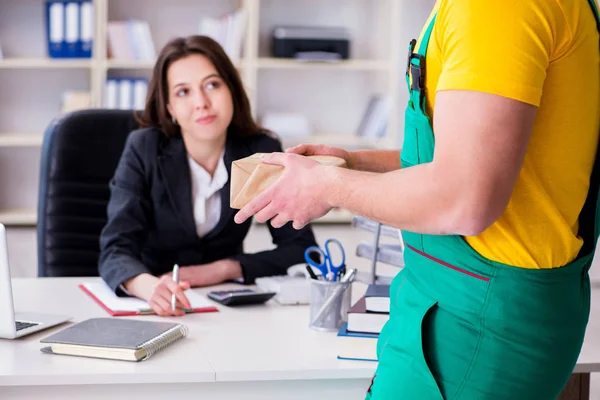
{"x":329,"y":304}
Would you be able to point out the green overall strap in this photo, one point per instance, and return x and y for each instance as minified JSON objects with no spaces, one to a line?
{"x":416,"y":66}
{"x":589,"y":228}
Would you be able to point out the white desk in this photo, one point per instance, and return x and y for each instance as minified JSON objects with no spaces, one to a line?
{"x":259,"y":352}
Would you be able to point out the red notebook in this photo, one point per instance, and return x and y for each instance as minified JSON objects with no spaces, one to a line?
{"x":124,"y":306}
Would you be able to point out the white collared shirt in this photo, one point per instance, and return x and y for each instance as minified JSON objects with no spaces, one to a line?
{"x":206,"y":199}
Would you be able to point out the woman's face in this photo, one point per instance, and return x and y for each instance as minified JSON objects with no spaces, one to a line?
{"x":199,"y":99}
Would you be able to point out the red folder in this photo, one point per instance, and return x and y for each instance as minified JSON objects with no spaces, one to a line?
{"x":143,"y":311}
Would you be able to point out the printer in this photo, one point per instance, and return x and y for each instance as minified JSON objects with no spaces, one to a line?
{"x":311,"y":43}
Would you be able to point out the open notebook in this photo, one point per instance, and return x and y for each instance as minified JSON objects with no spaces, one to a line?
{"x":123,"y":306}
{"x":114,"y":339}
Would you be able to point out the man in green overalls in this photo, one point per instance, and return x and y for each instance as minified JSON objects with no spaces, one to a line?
{"x":498,"y":208}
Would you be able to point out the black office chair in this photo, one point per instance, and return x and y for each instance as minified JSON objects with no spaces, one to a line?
{"x":80,"y":153}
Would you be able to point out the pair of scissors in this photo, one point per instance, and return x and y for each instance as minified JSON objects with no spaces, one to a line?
{"x":328,"y":268}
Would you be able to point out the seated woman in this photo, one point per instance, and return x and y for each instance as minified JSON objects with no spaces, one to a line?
{"x":169,"y":199}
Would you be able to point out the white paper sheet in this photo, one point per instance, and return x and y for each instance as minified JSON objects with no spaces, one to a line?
{"x":106,"y":296}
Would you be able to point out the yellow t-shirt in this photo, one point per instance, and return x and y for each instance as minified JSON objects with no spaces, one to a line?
{"x":545,"y":53}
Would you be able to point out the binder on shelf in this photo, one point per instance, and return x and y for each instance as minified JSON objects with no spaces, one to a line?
{"x":125,"y":93}
{"x":228,"y":30}
{"x":110,"y":93}
{"x":55,"y":28}
{"x":70,"y":28}
{"x":86,"y":37}
{"x":130,"y":40}
{"x":140,"y":89}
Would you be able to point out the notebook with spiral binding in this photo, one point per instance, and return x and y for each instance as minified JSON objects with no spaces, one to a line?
{"x":115,"y":339}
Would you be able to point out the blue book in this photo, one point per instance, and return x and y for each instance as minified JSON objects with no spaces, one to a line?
{"x":357,"y":346}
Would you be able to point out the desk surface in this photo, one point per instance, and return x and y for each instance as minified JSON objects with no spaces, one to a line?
{"x":255,"y":343}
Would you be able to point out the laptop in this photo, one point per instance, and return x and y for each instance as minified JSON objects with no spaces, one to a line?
{"x":15,"y":325}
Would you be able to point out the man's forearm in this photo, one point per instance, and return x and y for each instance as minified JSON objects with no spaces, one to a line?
{"x":375,"y":160}
{"x":415,"y":199}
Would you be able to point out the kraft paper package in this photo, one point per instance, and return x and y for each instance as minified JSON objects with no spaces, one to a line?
{"x":250,"y":176}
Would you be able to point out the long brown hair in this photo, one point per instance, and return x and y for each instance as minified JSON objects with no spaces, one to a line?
{"x":156,"y":114}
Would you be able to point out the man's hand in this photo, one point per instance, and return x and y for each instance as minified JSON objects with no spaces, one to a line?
{"x":322,"y":150}
{"x":298,"y":195}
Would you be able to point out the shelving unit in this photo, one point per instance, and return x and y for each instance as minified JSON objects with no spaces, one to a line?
{"x":377,"y":252}
{"x":333,"y":95}
{"x":41,"y":63}
{"x":356,"y":65}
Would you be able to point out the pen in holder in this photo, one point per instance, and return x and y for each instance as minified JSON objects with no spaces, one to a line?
{"x":330,"y":302}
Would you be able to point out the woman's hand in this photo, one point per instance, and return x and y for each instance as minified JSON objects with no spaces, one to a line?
{"x":210,"y":274}
{"x":321,"y":150}
{"x":158,"y":291}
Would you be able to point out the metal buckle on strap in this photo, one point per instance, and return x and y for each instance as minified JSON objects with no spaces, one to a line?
{"x":417,"y":72}
{"x":411,"y":47}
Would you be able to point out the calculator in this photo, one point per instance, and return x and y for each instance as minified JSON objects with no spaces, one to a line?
{"x":240,"y":297}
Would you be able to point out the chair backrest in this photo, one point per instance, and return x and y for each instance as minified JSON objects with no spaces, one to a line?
{"x":80,"y":153}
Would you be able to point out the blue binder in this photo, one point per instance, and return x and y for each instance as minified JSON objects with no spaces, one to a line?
{"x":86,"y":29}
{"x":55,"y":28}
{"x":70,"y":28}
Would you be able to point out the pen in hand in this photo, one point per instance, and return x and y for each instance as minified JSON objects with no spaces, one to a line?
{"x":176,"y":280}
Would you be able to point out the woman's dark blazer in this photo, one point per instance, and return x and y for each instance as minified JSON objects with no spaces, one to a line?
{"x":151,"y":224}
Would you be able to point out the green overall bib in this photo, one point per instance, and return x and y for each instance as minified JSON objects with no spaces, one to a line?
{"x":465,"y":327}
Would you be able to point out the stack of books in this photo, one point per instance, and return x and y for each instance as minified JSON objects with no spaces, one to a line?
{"x":366,"y":318}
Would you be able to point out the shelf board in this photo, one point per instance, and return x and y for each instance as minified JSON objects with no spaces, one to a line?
{"x":139,"y":65}
{"x":41,"y":63}
{"x":340,"y":140}
{"x":21,"y":139}
{"x":352,"y":64}
{"x":18,"y":217}
{"x":129,"y":64}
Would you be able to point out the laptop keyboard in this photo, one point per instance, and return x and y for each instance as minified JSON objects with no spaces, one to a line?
{"x":22,"y":325}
